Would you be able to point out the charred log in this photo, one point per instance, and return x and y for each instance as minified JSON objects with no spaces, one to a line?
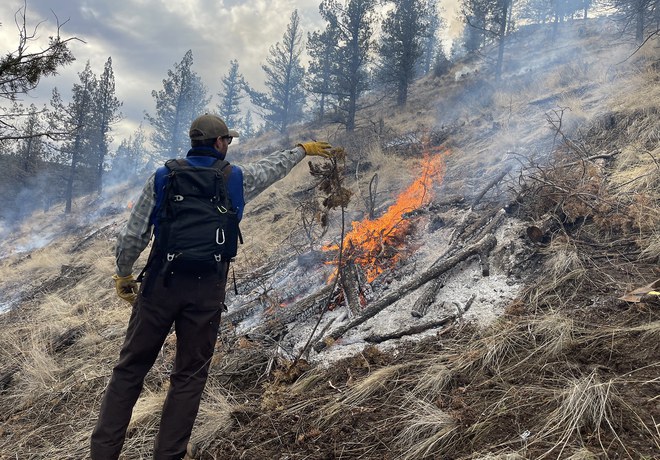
{"x":484,"y":264}
{"x":416,"y":329}
{"x":430,"y":292}
{"x":539,"y":232}
{"x":449,"y":200}
{"x":350,"y":283}
{"x":275,"y":324}
{"x":412,"y":330}
{"x":439,"y":267}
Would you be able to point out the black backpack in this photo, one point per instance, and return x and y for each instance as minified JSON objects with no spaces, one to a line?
{"x":198,"y":226}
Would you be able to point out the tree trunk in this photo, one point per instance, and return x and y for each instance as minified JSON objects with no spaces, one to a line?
{"x":500,"y":50}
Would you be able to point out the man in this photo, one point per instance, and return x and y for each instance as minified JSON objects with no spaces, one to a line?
{"x":190,"y":298}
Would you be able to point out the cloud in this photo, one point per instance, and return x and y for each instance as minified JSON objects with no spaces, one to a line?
{"x":146,"y":38}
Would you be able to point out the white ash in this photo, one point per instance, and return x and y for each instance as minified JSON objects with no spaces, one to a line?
{"x":492,"y":293}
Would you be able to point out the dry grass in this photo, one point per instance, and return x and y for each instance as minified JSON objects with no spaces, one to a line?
{"x":378,"y":382}
{"x":214,"y":418}
{"x":426,"y":429}
{"x":585,"y":404}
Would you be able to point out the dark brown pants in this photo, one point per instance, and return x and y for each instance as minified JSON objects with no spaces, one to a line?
{"x":193,"y":303}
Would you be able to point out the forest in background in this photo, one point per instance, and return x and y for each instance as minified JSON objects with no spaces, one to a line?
{"x":63,"y":150}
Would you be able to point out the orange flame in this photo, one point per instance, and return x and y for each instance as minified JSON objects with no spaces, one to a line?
{"x":373,"y":243}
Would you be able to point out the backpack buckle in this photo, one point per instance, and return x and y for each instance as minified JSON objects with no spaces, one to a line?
{"x":177,"y":198}
{"x":170,"y":257}
{"x":218,"y":257}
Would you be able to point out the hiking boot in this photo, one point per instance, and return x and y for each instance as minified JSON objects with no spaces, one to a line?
{"x":191,"y":452}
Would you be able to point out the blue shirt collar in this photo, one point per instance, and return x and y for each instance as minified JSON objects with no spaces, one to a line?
{"x":205,"y":151}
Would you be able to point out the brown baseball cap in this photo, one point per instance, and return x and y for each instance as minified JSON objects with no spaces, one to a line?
{"x":209,"y":127}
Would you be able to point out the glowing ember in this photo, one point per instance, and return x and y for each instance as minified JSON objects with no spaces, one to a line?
{"x":374,"y":243}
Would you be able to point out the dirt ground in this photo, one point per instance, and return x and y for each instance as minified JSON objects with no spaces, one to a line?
{"x":277,"y":423}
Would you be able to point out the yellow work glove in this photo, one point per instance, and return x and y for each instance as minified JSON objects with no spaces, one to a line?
{"x":321,"y":149}
{"x":127,"y":287}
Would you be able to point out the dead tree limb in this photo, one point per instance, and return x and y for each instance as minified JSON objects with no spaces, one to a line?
{"x":412,"y":330}
{"x":439,"y":267}
{"x":468,"y":219}
{"x":490,"y":185}
{"x":449,"y":200}
{"x":416,"y":329}
{"x":484,"y":264}
{"x":491,"y":224}
{"x":275,"y":324}
{"x":600,"y":156}
{"x":485,"y":226}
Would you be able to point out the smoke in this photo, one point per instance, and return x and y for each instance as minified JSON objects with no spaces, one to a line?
{"x":551,"y":80}
{"x":23,"y":201}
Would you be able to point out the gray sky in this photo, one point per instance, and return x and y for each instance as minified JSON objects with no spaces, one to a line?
{"x":145,"y":38}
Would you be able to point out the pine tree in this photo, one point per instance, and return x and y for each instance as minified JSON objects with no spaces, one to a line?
{"x":76,"y":147}
{"x":182,"y":99}
{"x":248,"y":129}
{"x":404,"y":30}
{"x":283,"y":103}
{"x":233,"y":83}
{"x":441,"y":64}
{"x":30,"y":151}
{"x":488,"y":19}
{"x":431,"y":45}
{"x":640,"y":13}
{"x":107,"y":106}
{"x":131,"y":158}
{"x":354,"y":24}
{"x":22,"y":69}
{"x":323,"y":66}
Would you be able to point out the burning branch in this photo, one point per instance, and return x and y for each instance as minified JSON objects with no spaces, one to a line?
{"x":331,"y":175}
{"x":374,"y":243}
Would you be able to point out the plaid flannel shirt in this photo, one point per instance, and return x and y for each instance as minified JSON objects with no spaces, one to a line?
{"x":257,"y":177}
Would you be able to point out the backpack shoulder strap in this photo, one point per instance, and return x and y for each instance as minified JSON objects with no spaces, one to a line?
{"x":223,"y":166}
{"x":176,"y":164}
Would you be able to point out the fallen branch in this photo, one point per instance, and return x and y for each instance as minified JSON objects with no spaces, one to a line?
{"x":275,"y":324}
{"x":449,"y":200}
{"x":412,"y":330}
{"x":600,"y":156}
{"x":490,"y":185}
{"x":485,"y":226}
{"x":437,"y":268}
{"x":416,"y":329}
{"x":427,"y":298}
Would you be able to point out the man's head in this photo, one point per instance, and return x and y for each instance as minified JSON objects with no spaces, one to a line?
{"x":211,"y":130}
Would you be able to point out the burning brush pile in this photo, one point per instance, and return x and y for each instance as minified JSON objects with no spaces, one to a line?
{"x":334,"y":302}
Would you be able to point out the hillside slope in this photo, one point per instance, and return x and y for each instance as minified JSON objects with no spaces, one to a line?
{"x":547,"y":362}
